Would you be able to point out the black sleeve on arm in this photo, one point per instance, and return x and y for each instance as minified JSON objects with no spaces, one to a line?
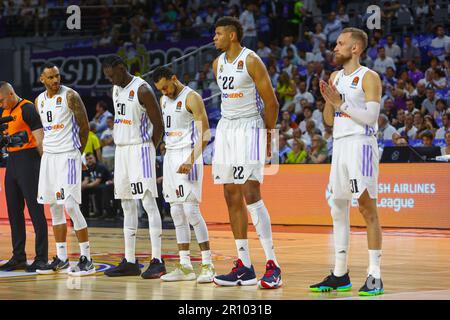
{"x":31,"y":117}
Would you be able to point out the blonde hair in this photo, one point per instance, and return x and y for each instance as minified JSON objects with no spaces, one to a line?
{"x":358,"y":34}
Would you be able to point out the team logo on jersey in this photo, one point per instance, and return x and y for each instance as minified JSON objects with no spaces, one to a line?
{"x":354,"y":82}
{"x":240,"y":65}
{"x":60,"y":195}
{"x":221,"y":68}
{"x":58,"y":101}
{"x":164,"y":105}
{"x":131,"y":95}
{"x":178,"y":109}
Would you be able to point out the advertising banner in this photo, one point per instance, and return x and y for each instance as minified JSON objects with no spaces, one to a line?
{"x":411,"y":195}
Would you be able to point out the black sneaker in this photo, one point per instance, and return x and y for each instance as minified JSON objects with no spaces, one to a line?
{"x":14,"y":264}
{"x":372,"y":287}
{"x":125,"y":268}
{"x":56,"y":266}
{"x":37,"y":264}
{"x":83,"y":268}
{"x":155,"y":270}
{"x":331,"y":282}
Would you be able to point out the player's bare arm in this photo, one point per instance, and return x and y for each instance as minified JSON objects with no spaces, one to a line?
{"x":148,"y":100}
{"x":260,"y":76}
{"x":214,"y":66}
{"x":75,"y":104}
{"x":328,"y":111}
{"x":195,"y":105}
{"x":371,"y":85}
{"x":258,"y":72}
{"x":38,"y":133}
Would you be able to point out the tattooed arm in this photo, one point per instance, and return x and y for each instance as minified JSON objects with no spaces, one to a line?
{"x":77,"y":106}
{"x":148,"y":100}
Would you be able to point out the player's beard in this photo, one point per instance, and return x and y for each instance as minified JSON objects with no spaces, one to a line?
{"x":341,"y":59}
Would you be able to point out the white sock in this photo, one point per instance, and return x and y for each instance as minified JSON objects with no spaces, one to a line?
{"x":85,"y":250}
{"x":154,"y":222}
{"x":374,"y":263}
{"x":243,"y":252}
{"x":61,"y":250}
{"x":341,"y":235}
{"x":206,"y":257}
{"x":155,"y":238}
{"x":185,"y":259}
{"x":130,"y":244}
{"x":267,"y":245}
{"x":130,"y":227}
{"x":261,"y":221}
{"x":340,"y":261}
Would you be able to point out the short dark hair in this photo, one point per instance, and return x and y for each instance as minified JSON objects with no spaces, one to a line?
{"x":48,"y":65}
{"x":428,"y":134}
{"x":233,"y":22}
{"x":102,"y":104}
{"x":162,"y":72}
{"x":89,"y":154}
{"x":112,"y":61}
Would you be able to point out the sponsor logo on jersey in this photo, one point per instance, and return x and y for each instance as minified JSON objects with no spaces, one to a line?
{"x":240,"y":65}
{"x":174,"y":134}
{"x":131,"y":95}
{"x":178,"y":108}
{"x":340,"y":114}
{"x":123,"y":121}
{"x":58,"y":126}
{"x":232,"y":95}
{"x":58,"y":101}
{"x":354,"y":82}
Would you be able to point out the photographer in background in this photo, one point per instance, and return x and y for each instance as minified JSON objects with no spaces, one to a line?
{"x":22,"y":177}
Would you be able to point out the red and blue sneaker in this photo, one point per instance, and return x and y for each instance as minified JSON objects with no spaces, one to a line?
{"x":240,"y":275}
{"x":272,"y":277}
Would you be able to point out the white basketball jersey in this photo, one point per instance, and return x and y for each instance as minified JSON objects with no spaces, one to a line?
{"x":61,"y":131}
{"x":131,"y":122}
{"x":350,"y":87}
{"x":240,"y":98}
{"x":179,"y":123}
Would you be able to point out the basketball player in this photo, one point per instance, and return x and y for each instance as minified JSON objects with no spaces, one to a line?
{"x":240,"y":149}
{"x":183,"y":109}
{"x":352,"y":98}
{"x":66,"y":129}
{"x":138,"y":128}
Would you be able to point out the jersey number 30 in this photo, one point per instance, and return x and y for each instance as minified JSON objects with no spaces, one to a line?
{"x":121,"y":109}
{"x":137,"y":188}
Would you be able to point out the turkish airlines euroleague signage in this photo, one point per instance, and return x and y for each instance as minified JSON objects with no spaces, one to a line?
{"x":410,"y":195}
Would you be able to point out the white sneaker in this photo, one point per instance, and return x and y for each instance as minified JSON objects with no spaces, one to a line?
{"x":83,"y":268}
{"x":207,"y":275}
{"x":181,"y":273}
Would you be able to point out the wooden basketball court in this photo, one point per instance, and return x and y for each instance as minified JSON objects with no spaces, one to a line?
{"x":415,"y":265}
